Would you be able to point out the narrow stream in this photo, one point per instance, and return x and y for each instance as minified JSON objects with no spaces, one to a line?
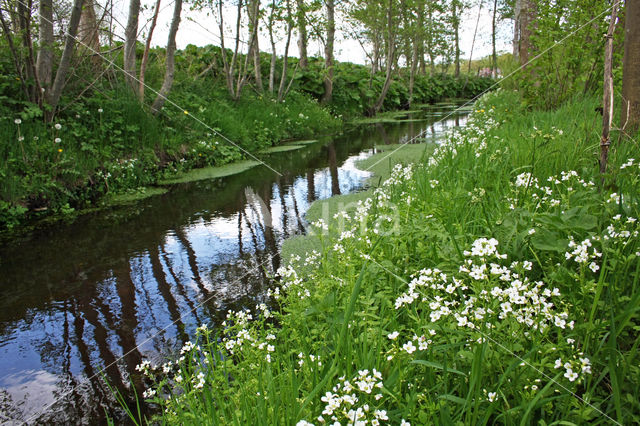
{"x":91,"y":299}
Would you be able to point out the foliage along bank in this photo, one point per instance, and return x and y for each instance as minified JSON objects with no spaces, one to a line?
{"x":103,"y":141}
{"x":496,"y":281}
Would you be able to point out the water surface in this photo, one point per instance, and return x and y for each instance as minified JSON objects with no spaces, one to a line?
{"x":89,"y":300}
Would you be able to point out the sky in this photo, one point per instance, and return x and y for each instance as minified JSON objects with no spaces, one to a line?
{"x":200,"y":28}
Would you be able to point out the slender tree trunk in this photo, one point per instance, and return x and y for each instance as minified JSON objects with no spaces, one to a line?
{"x":131,"y":38}
{"x":24,"y":19}
{"x":254,"y":16}
{"x":607,"y":100}
{"x":274,"y":57}
{"x":630,"y":116}
{"x":302,"y":34}
{"x":390,"y":59}
{"x":170,"y":60}
{"x":412,"y":74}
{"x":147,"y":47}
{"x":517,"y":11}
{"x":285,"y":58}
{"x":494,"y":55}
{"x":234,"y":85}
{"x":429,"y":45}
{"x":88,"y":35}
{"x":527,"y":17}
{"x":432,"y":64}
{"x":420,"y":42}
{"x":473,"y":42}
{"x":456,"y":36}
{"x":53,"y":98}
{"x":328,"y":52}
{"x":228,"y":71}
{"x":14,"y":54}
{"x":375,"y":64}
{"x":241,"y":78}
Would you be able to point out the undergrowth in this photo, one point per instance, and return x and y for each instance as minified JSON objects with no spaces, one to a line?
{"x":496,"y":281}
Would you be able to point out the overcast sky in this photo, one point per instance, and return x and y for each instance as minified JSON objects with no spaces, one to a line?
{"x":199,"y":29}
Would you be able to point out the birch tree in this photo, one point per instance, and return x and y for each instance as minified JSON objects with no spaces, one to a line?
{"x":130,"y":40}
{"x":170,"y":59}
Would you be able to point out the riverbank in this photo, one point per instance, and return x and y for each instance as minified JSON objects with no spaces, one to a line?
{"x":104,"y":284}
{"x":104,"y":145}
{"x":104,"y":155}
{"x":497,"y":281}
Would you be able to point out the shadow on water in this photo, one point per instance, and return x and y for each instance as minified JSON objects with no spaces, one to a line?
{"x":89,"y":300}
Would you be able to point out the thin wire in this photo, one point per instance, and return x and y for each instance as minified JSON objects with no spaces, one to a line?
{"x":475,"y":98}
{"x":111,"y":62}
{"x":486,"y":336}
{"x":148,"y":339}
{"x":166,"y":99}
{"x":211,"y":32}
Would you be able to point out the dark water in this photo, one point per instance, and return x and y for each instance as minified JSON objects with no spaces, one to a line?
{"x":89,"y":300}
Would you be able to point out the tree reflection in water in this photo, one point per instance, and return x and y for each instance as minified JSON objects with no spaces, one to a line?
{"x":91,"y":299}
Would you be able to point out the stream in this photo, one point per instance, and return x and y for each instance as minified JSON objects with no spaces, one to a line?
{"x":89,"y":300}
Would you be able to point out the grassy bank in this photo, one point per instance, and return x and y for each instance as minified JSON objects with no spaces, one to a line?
{"x":495,"y":282}
{"x":105,"y":141}
{"x":113,"y":146}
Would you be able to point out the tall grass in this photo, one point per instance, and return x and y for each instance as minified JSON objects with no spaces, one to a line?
{"x":495,"y":282}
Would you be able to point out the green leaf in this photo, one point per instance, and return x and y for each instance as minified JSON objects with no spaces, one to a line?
{"x":547,"y":240}
{"x":437,"y":366}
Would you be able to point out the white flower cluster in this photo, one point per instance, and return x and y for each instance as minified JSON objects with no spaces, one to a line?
{"x":501,"y":293}
{"x":315,"y":359}
{"x":526,"y":187}
{"x":289,"y":281}
{"x":399,"y":175}
{"x":347,"y":401}
{"x":622,"y":228}
{"x":525,"y":179}
{"x":581,"y":365}
{"x":583,"y":253}
{"x":631,"y":162}
{"x":473,"y":134}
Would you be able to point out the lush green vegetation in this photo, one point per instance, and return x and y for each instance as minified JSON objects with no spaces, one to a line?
{"x":495,"y":281}
{"x":104,"y":140}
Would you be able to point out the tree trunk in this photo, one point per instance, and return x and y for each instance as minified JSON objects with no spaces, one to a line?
{"x":328,"y":53}
{"x":390,"y":59}
{"x":14,"y":54}
{"x":494,"y":56}
{"x":527,"y":17}
{"x":630,"y":117}
{"x":131,"y":38}
{"x":254,"y":16}
{"x":274,"y":57}
{"x":170,"y":60}
{"x":285,"y":59}
{"x":88,"y":36}
{"x":375,"y":64}
{"x":420,"y":42}
{"x":607,"y":100}
{"x":517,"y":10}
{"x":147,"y":47}
{"x":412,"y":74}
{"x":24,"y":19}
{"x":302,"y":35}
{"x":456,"y":27}
{"x":53,"y":98}
{"x":475,"y":33}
